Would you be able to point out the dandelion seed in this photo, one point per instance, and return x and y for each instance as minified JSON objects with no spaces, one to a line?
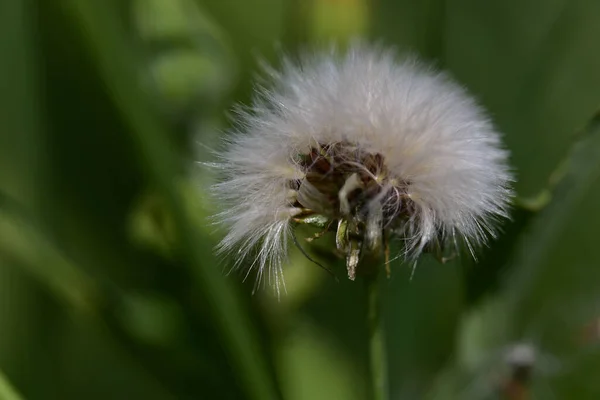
{"x":365,"y":146}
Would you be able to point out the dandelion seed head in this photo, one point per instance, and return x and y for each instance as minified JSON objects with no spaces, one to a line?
{"x":394,"y":147}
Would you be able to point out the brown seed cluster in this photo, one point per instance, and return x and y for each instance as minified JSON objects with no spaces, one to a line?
{"x":329,"y":168}
{"x":352,"y":192}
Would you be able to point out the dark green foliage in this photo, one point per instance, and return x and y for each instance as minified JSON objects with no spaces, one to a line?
{"x":108,"y":283}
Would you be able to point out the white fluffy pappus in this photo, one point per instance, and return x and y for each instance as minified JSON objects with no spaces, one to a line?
{"x":380,"y":147}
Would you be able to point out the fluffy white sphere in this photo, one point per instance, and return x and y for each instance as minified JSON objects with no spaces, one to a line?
{"x":394,"y":146}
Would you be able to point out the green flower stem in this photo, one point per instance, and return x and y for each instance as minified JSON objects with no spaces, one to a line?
{"x":377,"y":354}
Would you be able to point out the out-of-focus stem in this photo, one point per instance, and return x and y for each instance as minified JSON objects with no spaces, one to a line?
{"x":377,"y":354}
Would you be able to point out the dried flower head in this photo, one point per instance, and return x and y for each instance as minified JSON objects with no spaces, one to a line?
{"x":364,"y":146}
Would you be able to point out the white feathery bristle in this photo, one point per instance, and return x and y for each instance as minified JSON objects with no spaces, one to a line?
{"x":446,"y":172}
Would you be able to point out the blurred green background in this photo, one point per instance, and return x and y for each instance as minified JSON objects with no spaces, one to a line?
{"x":108,"y":285}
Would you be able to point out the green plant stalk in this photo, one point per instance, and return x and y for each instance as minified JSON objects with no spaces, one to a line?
{"x":377,"y":353}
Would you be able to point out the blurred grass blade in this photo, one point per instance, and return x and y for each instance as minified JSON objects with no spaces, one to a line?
{"x":19,"y":101}
{"x":7,"y":391}
{"x":26,"y":245}
{"x":19,"y":235}
{"x":108,"y":47}
{"x":583,"y":171}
